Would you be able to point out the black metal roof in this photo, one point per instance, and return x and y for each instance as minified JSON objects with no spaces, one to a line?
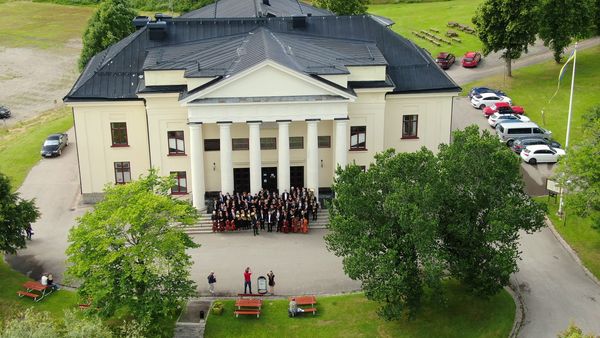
{"x":255,"y":9}
{"x":216,"y":47}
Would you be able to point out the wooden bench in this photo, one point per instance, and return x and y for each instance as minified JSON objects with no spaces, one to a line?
{"x":247,"y":312}
{"x":311,"y":309}
{"x":28,"y":294}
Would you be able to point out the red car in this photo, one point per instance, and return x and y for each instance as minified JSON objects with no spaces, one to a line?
{"x":471,"y":59}
{"x":504,"y":108}
{"x":445,"y":60}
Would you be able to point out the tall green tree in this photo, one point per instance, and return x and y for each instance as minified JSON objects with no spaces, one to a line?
{"x":344,"y":7}
{"x":482,"y":208}
{"x":130,"y":252}
{"x":561,"y":21}
{"x":383,"y":224}
{"x":580,"y":170}
{"x":413,"y":219}
{"x":597,"y":17}
{"x":507,"y":26}
{"x":109,"y":24}
{"x":16,"y":215}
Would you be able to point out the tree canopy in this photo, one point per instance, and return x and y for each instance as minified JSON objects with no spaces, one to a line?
{"x":108,"y":25}
{"x":130,"y":252}
{"x":413,"y":219}
{"x":344,"y":7}
{"x":561,"y":21}
{"x":580,"y":170}
{"x":16,"y":215}
{"x":507,"y":26}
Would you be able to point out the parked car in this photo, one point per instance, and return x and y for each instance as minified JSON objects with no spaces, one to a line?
{"x":502,"y":107}
{"x":54,"y":145}
{"x":4,"y":112}
{"x":471,"y":59}
{"x":503,"y":118}
{"x":510,"y":132}
{"x":481,"y":90}
{"x":541,"y":153}
{"x":445,"y":60}
{"x":488,"y":99}
{"x":519,"y":145}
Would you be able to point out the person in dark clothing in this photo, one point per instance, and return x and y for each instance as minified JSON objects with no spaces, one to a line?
{"x":271,"y":277}
{"x":28,"y":231}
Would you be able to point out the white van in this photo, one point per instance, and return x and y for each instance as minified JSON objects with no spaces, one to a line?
{"x":509,"y":132}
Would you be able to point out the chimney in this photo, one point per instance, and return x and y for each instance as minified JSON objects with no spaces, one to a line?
{"x":162,"y":17}
{"x":298,"y":22}
{"x":140,"y":21}
{"x":157,"y":30}
{"x":266,"y":2}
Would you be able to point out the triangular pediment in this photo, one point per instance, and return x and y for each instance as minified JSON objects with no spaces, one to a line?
{"x":269,"y":79}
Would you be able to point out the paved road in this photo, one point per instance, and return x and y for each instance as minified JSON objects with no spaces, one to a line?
{"x":555,"y":288}
{"x":492,"y":64}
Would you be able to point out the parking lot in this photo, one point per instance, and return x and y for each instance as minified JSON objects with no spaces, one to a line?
{"x":535,"y":176}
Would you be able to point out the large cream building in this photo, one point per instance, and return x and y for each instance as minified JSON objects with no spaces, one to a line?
{"x":229,"y":103}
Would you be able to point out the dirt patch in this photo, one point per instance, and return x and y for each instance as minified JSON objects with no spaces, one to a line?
{"x":34,"y":80}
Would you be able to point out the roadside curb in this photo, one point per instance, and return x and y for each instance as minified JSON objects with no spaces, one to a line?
{"x":513,"y":290}
{"x":571,"y":252}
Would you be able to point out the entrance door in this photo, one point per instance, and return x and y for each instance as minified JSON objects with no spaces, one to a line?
{"x":269,"y":178}
{"x":297,"y":176}
{"x":241,"y":180}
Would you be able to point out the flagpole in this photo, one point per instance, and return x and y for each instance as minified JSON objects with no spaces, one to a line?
{"x":561,"y":203}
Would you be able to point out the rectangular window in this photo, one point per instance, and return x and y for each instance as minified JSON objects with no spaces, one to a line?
{"x":240,"y":144}
{"x":176,"y":142}
{"x":180,"y":186}
{"x":324,"y":141}
{"x":213,"y":144}
{"x":410,"y":124}
{"x":118,"y":132}
{"x":358,"y":138}
{"x":296,"y":142}
{"x":122,"y":172}
{"x":268,"y":143}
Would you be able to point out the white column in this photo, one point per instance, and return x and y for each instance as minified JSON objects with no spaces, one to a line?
{"x":341,"y":143}
{"x":312,"y":156}
{"x":255,"y":158}
{"x":197,"y":159}
{"x":283,"y":151}
{"x":226,"y":158}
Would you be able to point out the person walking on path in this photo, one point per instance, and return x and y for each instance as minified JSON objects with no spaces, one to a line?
{"x":211,"y":283}
{"x":271,"y":277}
{"x":247,"y":280}
{"x":28,"y":231}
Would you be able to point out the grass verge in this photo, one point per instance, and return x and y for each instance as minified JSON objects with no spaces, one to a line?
{"x":578,"y":232}
{"x":532,"y":87}
{"x":355,"y":316}
{"x":20,"y":145}
{"x":416,"y":16}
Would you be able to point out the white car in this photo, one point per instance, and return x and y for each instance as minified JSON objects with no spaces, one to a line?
{"x":487,"y":99}
{"x":503,"y":118}
{"x":541,"y":153}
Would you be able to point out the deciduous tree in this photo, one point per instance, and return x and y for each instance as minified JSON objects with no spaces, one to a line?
{"x":561,"y":21}
{"x":507,"y":26}
{"x":580,"y":170}
{"x":130,"y":252}
{"x":344,"y":7}
{"x":16,"y":215}
{"x":108,"y":25}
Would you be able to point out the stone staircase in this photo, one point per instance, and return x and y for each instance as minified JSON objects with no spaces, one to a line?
{"x":205,"y":224}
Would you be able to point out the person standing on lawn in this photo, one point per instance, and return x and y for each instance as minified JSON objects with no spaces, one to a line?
{"x":271,"y":277}
{"x":247,"y":280}
{"x":211,"y":283}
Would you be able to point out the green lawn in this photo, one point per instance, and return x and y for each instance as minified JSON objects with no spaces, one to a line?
{"x":354,"y":316}
{"x":20,"y":145}
{"x":42,"y":25}
{"x":580,"y":235}
{"x":416,"y":16}
{"x":532,"y":87}
{"x":11,"y":304}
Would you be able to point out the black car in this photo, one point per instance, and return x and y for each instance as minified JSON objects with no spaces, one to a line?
{"x":54,"y":145}
{"x":519,"y":145}
{"x":482,"y":90}
{"x":4,"y":112}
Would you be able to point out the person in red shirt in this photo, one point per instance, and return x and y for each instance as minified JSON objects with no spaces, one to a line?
{"x":247,"y":280}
